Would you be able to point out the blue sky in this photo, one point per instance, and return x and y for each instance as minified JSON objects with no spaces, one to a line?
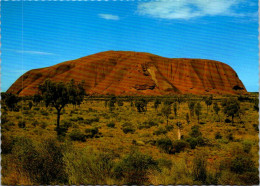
{"x":41,"y":34}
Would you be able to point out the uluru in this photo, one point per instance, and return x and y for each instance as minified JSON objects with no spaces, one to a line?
{"x":136,"y":73}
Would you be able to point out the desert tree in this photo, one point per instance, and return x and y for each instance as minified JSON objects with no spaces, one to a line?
{"x":198,"y":109}
{"x":120,"y":102}
{"x":175,"y":109}
{"x":216,"y":108}
{"x":180,"y":100}
{"x":256,"y":104}
{"x":166,"y":111}
{"x":76,"y":92}
{"x":56,"y":94}
{"x":157,"y":102}
{"x":141,"y":105}
{"x":10,"y":100}
{"x":231,"y":108}
{"x":37,"y":98}
{"x":187,"y":118}
{"x":191,"y":106}
{"x":30,"y":104}
{"x":208,"y":102}
{"x":111,"y":103}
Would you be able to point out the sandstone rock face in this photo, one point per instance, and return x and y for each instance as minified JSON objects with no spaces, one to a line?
{"x":136,"y":73}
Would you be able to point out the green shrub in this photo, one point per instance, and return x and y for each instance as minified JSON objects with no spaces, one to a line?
{"x":218,"y":135}
{"x":43,"y":163}
{"x":21,"y":124}
{"x":44,"y":113}
{"x":167,"y":163}
{"x":165,"y":144}
{"x":193,"y":142}
{"x":85,"y":166}
{"x":199,"y":170}
{"x":147,"y":124}
{"x":247,"y":146}
{"x":35,"y":123}
{"x":89,"y":121}
{"x":77,"y":135}
{"x":7,"y":144}
{"x":195,"y":132}
{"x":134,"y":168}
{"x":169,"y":127}
{"x":128,"y":128}
{"x":25,"y":112}
{"x":241,"y":164}
{"x":36,"y":108}
{"x":178,"y":146}
{"x":230,"y":137}
{"x":160,"y":131}
{"x":111,"y":125}
{"x":199,"y":141}
{"x":256,"y":127}
{"x":43,"y":125}
{"x":91,"y":132}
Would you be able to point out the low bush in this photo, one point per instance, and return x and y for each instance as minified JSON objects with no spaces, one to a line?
{"x":199,"y":141}
{"x":44,"y":113}
{"x":36,"y":108}
{"x":241,"y":164}
{"x":111,"y":125}
{"x":195,"y":132}
{"x":85,"y":166}
{"x":133,"y":169}
{"x":230,"y":137}
{"x":89,"y":121}
{"x":169,"y":127}
{"x":164,"y":163}
{"x":43,"y":125}
{"x":178,"y":146}
{"x":228,"y":120}
{"x":165,"y":144}
{"x":247,"y":146}
{"x":91,"y":132}
{"x":160,"y":131}
{"x":43,"y":163}
{"x":218,"y":135}
{"x":77,"y":135}
{"x":199,"y":170}
{"x":21,"y":124}
{"x":35,"y":123}
{"x":256,"y":127}
{"x":7,"y":144}
{"x":147,"y":124}
{"x":128,"y":128}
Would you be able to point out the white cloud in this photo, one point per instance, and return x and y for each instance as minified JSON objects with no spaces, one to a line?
{"x":187,"y":9}
{"x":30,"y":52}
{"x":109,"y":16}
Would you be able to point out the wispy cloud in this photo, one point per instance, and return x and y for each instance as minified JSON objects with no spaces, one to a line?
{"x":109,"y":16}
{"x":187,"y":9}
{"x":30,"y":52}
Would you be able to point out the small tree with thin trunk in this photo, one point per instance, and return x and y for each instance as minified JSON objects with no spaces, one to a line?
{"x":198,"y":109}
{"x":166,"y":111}
{"x":216,"y":108}
{"x":56,"y":94}
{"x":191,"y":108}
{"x":231,"y":108}
{"x":187,"y":118}
{"x":157,"y":102}
{"x":208,"y":102}
{"x":175,"y":109}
